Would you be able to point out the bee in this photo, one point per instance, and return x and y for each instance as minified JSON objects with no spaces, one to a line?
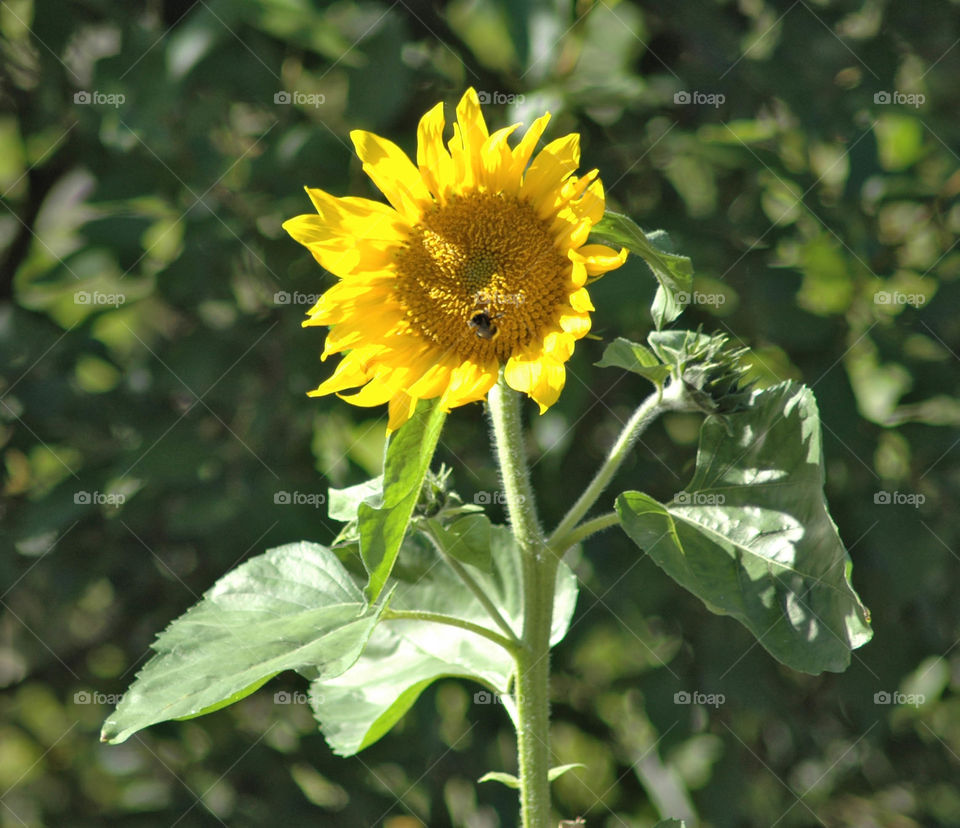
{"x":483,"y":325}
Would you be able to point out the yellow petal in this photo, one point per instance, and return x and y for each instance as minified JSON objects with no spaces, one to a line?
{"x":373,"y":327}
{"x":559,"y":345}
{"x":431,"y":383}
{"x":523,"y":150}
{"x":592,"y":203}
{"x":470,"y":381}
{"x":469,"y":134}
{"x":436,"y":166}
{"x":393,"y":173}
{"x":536,"y":374}
{"x":341,"y":299}
{"x":549,"y":384}
{"x":351,"y":372}
{"x":598,"y":258}
{"x":349,"y":214}
{"x":349,"y":235}
{"x":578,"y":272}
{"x":401,"y":409}
{"x":375,"y":392}
{"x":575,"y":324}
{"x":496,"y":160}
{"x":554,"y":164}
{"x":574,"y":187}
{"x":580,"y":301}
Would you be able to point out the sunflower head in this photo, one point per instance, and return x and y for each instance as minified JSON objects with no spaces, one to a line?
{"x":479,"y":262}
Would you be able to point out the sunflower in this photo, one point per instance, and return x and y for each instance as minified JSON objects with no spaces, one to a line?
{"x":479,"y":261}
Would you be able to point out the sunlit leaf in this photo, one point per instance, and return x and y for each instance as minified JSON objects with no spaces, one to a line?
{"x":751,"y":536}
{"x":294,"y":607}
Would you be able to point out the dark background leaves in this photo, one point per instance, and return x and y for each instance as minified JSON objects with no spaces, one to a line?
{"x":804,"y":200}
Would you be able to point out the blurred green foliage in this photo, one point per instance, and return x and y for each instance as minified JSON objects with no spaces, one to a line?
{"x":152,"y":354}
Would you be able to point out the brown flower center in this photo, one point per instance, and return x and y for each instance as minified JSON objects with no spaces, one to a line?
{"x":481,"y":276}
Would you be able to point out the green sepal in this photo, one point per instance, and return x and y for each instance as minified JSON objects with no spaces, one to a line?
{"x":674,"y":273}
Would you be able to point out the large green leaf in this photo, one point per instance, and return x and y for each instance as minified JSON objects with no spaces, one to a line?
{"x":405,"y":656}
{"x":673,"y":272}
{"x":293,"y":608}
{"x":751,"y":535}
{"x":408,"y":455}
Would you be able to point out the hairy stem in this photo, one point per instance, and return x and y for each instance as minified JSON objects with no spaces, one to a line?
{"x":539,"y":567}
{"x":589,"y":527}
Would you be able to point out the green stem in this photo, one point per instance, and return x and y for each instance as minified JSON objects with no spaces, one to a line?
{"x":649,"y":410}
{"x":472,"y":585}
{"x":583,"y":531}
{"x":450,"y":621}
{"x":539,"y":567}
